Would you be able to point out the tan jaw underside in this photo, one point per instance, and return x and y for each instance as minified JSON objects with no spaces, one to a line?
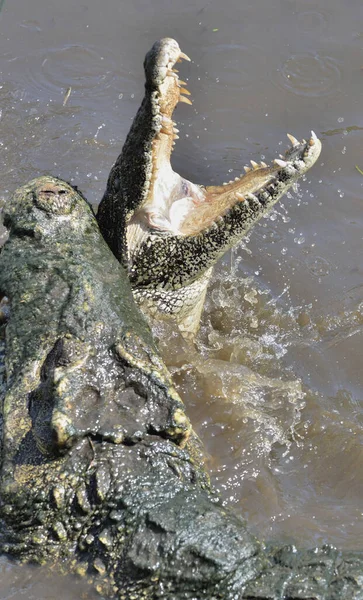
{"x":218,"y":199}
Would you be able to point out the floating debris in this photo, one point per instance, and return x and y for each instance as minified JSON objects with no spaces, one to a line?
{"x":67,"y":94}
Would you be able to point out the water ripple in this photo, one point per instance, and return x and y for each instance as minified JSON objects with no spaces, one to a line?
{"x":310,"y":75}
{"x":83,"y":68}
{"x":311,"y":21}
{"x":235,"y":64}
{"x":76,"y":66}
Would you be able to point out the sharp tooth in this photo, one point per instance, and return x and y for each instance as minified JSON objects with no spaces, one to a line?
{"x":185,"y":56}
{"x":280,"y":163}
{"x":175,"y":70}
{"x":164,"y":130}
{"x":236,"y":178}
{"x":185,"y":100}
{"x":182,"y":82}
{"x":184,"y":91}
{"x":263,"y":164}
{"x":224,"y":183}
{"x":293,"y":140}
{"x":166,"y":119}
{"x":281,"y":156}
{"x":171,"y":73}
{"x":313,"y":139}
{"x":247,"y":169}
{"x":254,"y":164}
{"x":304,"y":142}
{"x":176,"y":130}
{"x":176,"y":137}
{"x":240,"y":196}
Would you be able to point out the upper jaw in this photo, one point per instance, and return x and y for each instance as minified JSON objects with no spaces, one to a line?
{"x":163,"y":91}
{"x":159,"y":66}
{"x":162,"y":81}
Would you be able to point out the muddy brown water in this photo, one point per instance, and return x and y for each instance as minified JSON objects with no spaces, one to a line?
{"x":274,"y":381}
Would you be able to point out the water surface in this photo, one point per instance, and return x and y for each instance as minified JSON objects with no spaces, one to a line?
{"x":274,"y":381}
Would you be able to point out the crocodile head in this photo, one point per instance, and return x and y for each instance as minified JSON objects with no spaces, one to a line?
{"x":169,"y":230}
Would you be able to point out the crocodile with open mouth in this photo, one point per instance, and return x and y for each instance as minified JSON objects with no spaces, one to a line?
{"x":168,"y":230}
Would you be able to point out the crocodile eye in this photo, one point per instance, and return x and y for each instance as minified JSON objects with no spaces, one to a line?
{"x":55,"y":198}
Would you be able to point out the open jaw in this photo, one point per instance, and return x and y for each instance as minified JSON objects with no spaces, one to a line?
{"x":177,"y":206}
{"x":168,"y":230}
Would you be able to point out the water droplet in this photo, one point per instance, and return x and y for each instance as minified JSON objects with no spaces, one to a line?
{"x":299,"y":240}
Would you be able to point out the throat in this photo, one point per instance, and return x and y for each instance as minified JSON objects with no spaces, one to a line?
{"x":171,"y":201}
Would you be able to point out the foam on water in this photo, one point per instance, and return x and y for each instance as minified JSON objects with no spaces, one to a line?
{"x":267,"y":430}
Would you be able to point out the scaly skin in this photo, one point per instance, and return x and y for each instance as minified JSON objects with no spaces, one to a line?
{"x":170,"y":231}
{"x":100,"y":471}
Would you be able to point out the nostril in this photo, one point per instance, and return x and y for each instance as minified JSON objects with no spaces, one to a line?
{"x":54,"y":198}
{"x":53,"y":191}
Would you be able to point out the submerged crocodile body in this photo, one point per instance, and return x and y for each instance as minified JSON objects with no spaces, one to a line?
{"x":168,"y":230}
{"x":101,"y":473}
